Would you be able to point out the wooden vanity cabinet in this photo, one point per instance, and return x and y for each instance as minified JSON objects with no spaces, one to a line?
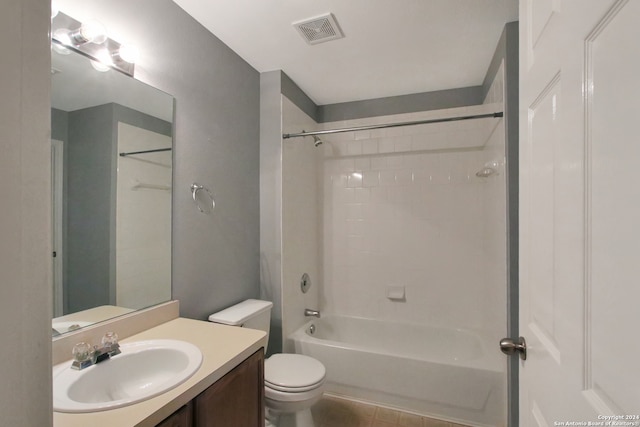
{"x":183,"y":417}
{"x":235,"y":400}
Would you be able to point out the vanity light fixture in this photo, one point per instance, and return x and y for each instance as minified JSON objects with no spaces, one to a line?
{"x":90,"y":39}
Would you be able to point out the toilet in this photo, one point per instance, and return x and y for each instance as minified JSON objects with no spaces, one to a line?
{"x":292,"y":382}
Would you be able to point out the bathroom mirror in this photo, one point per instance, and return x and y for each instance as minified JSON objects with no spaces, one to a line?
{"x":112,"y":139}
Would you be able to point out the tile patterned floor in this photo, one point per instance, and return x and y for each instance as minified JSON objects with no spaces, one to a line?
{"x":335,"y":412}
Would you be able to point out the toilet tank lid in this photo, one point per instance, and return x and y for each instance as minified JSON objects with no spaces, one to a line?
{"x":238,"y":314}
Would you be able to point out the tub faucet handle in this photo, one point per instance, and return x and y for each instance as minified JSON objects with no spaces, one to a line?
{"x":309,"y":312}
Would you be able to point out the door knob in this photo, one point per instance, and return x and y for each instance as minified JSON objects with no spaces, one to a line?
{"x":509,"y":346}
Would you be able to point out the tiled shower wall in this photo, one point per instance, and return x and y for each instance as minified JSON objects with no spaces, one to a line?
{"x":404,"y":208}
{"x":396,"y":216}
{"x":397,"y":207}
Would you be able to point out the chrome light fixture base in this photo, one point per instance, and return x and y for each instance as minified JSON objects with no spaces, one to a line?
{"x":64,"y":30}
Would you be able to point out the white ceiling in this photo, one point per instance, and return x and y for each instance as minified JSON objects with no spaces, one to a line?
{"x":391,"y":47}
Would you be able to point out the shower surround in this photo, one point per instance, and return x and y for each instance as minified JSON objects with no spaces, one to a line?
{"x":399,"y":209}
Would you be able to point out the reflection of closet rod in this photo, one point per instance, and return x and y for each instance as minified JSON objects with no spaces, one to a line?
{"x":393,"y":125}
{"x":157,"y":150}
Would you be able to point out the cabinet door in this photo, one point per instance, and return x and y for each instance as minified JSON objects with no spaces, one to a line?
{"x":183,"y":417}
{"x":237,"y":399}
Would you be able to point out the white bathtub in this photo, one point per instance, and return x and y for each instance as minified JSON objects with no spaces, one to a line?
{"x":441,"y":373}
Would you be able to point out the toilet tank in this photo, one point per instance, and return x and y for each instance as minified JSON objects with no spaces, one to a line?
{"x":251,"y":313}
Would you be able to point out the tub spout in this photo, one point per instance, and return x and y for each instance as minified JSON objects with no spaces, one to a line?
{"x":308,"y":312}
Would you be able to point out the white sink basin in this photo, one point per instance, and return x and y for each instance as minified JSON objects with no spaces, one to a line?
{"x":143,"y":370}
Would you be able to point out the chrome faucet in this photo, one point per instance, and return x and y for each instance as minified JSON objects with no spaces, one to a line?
{"x":309,"y":312}
{"x":85,"y":355}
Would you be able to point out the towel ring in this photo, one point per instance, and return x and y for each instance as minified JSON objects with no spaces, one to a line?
{"x":207,"y":205}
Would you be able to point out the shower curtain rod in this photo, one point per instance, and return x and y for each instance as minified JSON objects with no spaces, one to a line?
{"x":157,"y":150}
{"x":393,"y":125}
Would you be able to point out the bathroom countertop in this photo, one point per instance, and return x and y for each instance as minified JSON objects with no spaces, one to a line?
{"x":223,"y":348}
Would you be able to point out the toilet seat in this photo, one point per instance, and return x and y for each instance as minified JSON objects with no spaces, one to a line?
{"x":292,"y":397}
{"x":293,"y":373}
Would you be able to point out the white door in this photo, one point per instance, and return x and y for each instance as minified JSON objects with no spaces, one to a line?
{"x":580,"y":211}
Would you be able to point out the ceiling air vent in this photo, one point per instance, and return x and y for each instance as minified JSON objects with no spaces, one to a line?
{"x":320,"y":29}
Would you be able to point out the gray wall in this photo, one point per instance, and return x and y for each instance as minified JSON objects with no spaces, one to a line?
{"x":215,"y":257}
{"x":424,"y":101}
{"x":25,"y":215}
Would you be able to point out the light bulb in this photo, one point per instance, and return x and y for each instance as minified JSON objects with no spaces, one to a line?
{"x":90,"y":32}
{"x":94,"y":32}
{"x":104,"y":57}
{"x":129,"y":53}
{"x":61,"y":35}
{"x":103,"y":61}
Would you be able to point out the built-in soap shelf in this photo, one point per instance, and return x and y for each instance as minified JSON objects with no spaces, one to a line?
{"x":396,"y":293}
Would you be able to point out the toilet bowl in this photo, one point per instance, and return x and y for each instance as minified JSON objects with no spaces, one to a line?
{"x":293,"y":382}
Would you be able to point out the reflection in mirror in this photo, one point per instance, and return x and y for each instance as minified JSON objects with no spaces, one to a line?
{"x":112,"y":177}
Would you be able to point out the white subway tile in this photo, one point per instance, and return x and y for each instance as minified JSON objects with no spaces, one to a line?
{"x":421,"y":177}
{"x":339,"y":148}
{"x":328,"y":149}
{"x":362,"y":134}
{"x":402,"y":144}
{"x":420,"y":143}
{"x":369,"y":146}
{"x":395,"y":162}
{"x":386,"y":145}
{"x":363,"y":163}
{"x":370,"y":178}
{"x":344,"y":195}
{"x":414,"y":160}
{"x":379,"y":162}
{"x":354,"y":148}
{"x":387,"y":177}
{"x":378,"y":133}
{"x":355,"y":227}
{"x":368,"y":211}
{"x":353,"y":211}
{"x":346,"y":165}
{"x":362,"y":195}
{"x":404,"y":177}
{"x":354,"y":179}
{"x":339,"y":180}
{"x":344,"y":136}
{"x":379,"y":194}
